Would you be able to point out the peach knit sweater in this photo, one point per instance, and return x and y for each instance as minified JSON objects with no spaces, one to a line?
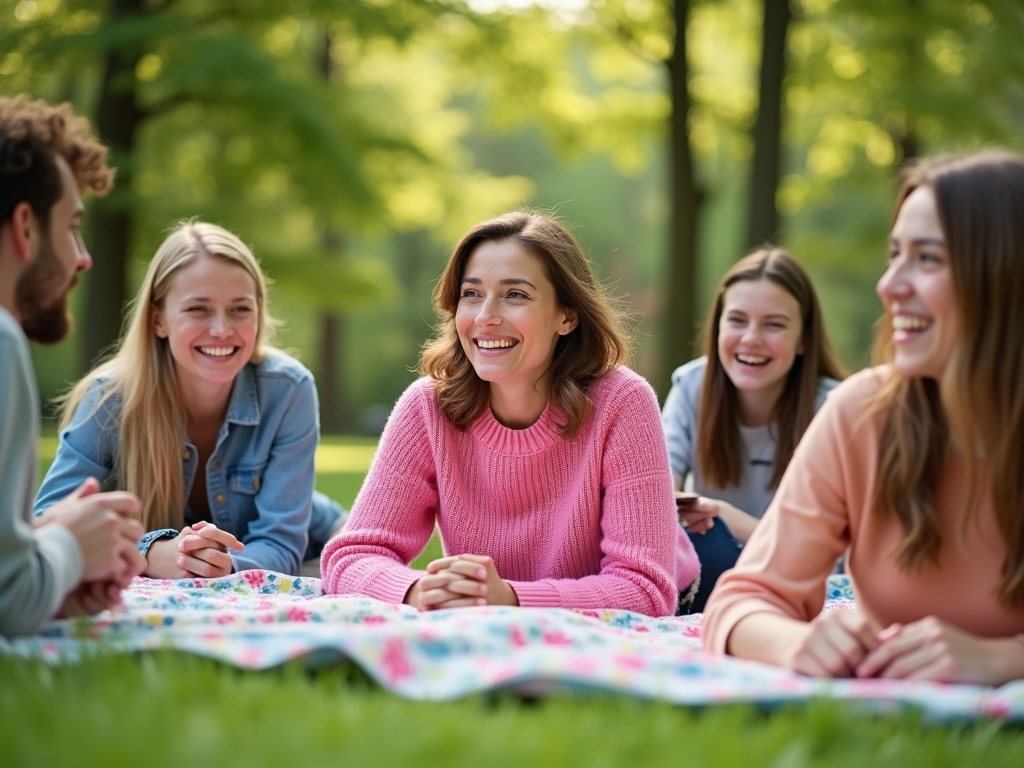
{"x":582,"y":523}
{"x":823,"y":506}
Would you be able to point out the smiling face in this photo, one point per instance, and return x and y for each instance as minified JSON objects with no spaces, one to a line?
{"x":760,"y":334}
{"x":210,"y":318}
{"x":917,"y":289}
{"x":508,"y":317}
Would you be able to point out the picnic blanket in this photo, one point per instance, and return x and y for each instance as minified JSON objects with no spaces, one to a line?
{"x":261,"y":619}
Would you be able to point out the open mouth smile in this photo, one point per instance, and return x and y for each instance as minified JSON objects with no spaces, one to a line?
{"x":755,"y":360}
{"x":217,"y":352}
{"x":495,"y":344}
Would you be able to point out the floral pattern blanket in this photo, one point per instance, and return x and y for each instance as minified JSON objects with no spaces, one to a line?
{"x":260,"y":619}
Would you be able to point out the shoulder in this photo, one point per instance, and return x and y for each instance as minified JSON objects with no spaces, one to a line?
{"x":12,"y":338}
{"x":825,"y":385}
{"x":619,"y":387}
{"x":690,"y":377}
{"x":277,"y":365}
{"x":856,"y":395}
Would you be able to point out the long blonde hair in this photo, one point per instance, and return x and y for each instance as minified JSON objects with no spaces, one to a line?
{"x":980,"y":398}
{"x":598,"y":344}
{"x":140,"y":377}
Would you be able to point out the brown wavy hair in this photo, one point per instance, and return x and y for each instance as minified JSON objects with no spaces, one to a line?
{"x":598,"y":344}
{"x":32,"y":135}
{"x":979,"y":400}
{"x":719,"y":446}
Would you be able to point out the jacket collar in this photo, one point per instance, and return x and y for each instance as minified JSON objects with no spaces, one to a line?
{"x":244,"y":406}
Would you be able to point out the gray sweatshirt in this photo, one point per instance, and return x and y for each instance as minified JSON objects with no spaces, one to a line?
{"x":38,"y":567}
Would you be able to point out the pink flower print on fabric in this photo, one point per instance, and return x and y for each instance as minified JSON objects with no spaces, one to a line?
{"x":255,"y":578}
{"x":395,"y":661}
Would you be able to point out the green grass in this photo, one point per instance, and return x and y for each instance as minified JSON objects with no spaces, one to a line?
{"x":172,"y":710}
{"x":175,"y":710}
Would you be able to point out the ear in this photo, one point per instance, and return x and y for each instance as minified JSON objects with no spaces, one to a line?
{"x":801,"y":348}
{"x":569,"y":323}
{"x":156,"y":319}
{"x":24,"y":232}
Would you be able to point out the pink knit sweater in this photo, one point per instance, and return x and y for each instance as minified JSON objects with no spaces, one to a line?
{"x":582,"y":523}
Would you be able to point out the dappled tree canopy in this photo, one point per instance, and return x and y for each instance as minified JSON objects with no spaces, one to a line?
{"x":351,"y":141}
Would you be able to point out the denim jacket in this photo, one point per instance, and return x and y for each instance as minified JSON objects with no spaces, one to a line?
{"x":259,"y":478}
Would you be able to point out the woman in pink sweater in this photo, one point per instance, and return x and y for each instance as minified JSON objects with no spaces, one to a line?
{"x":913,"y":467}
{"x":535,"y":452}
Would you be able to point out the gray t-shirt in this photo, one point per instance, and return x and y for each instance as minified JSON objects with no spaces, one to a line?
{"x":679,"y":421}
{"x":38,"y":567}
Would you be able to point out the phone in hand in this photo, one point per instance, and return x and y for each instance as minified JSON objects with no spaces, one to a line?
{"x":685,"y":498}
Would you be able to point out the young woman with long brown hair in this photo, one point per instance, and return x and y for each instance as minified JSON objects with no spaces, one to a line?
{"x":734,"y":416}
{"x":529,"y":445}
{"x":914,"y":466}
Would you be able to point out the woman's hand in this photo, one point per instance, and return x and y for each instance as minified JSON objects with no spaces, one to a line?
{"x":698,"y":515}
{"x":199,"y":551}
{"x":834,"y":644}
{"x":932,"y":649}
{"x":461,"y":581}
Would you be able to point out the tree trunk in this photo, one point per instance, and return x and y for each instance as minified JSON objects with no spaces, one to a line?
{"x":117,"y":121}
{"x":679,"y":330}
{"x":763,"y":223}
{"x":334,"y":410}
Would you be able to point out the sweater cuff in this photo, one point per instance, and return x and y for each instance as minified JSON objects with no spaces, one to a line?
{"x":536,"y":594}
{"x":393,"y":584}
{"x":62,"y":550}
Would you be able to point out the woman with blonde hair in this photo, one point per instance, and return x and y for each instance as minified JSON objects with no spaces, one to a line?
{"x":734,"y":416}
{"x":529,"y":445}
{"x":198,"y":415}
{"x":914,"y":466}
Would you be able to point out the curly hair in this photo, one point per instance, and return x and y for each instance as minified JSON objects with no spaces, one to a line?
{"x":32,"y":135}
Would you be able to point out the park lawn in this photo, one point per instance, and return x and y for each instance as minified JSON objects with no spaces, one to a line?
{"x":177,"y":710}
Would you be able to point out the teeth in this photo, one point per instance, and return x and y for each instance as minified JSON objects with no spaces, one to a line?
{"x":503,"y":344}
{"x":217,"y":351}
{"x":752,"y":359}
{"x":909,"y":323}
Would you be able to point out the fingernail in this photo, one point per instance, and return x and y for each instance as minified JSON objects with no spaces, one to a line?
{"x":481,"y":573}
{"x":481,"y":602}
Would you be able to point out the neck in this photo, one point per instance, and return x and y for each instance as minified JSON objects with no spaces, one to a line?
{"x":519,"y":406}
{"x":758,"y":408}
{"x":204,"y":403}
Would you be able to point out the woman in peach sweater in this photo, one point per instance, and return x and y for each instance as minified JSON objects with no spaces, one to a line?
{"x":913,"y":468}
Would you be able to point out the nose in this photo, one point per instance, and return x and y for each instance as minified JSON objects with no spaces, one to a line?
{"x":892,"y":283}
{"x":83,"y":260}
{"x":219,"y":325}
{"x":751,"y":332}
{"x":489,"y":313}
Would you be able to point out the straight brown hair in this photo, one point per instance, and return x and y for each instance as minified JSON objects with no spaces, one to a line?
{"x":979,"y":401}
{"x":598,"y":344}
{"x":719,"y":446}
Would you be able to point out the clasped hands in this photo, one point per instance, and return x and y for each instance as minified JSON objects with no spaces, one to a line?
{"x":844,"y":644}
{"x":107,"y":530}
{"x":460,"y":581}
{"x":199,"y":551}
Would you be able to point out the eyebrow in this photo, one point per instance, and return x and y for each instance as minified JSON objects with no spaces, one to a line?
{"x":236,"y":300}
{"x":506,"y":281}
{"x":921,"y":241}
{"x":772,"y":316}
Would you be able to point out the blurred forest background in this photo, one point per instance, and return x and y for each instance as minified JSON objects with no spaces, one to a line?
{"x":351,"y":142}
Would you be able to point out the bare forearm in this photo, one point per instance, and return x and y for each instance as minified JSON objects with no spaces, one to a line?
{"x":768,"y":637}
